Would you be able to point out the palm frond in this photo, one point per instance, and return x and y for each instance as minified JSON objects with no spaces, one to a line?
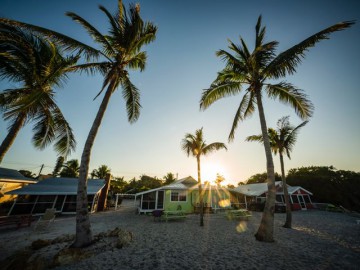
{"x":245,"y":110}
{"x":94,"y":33}
{"x":213,"y":147}
{"x":255,"y":138}
{"x":288,"y":94}
{"x":218,"y":91}
{"x":68,"y":43}
{"x":132,"y":98}
{"x":287,"y":61}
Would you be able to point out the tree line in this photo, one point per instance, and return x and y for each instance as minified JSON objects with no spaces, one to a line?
{"x":328,"y":185}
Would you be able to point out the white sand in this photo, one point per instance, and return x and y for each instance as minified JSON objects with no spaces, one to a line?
{"x":318,"y":240}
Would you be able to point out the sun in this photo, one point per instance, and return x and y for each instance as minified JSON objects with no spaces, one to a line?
{"x":210,"y":170}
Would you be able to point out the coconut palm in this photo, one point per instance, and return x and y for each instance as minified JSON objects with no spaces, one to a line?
{"x":195,"y":145}
{"x":282,"y":141}
{"x":70,"y":169}
{"x":254,"y":74}
{"x":37,"y":66}
{"x":101,"y":172}
{"x":120,"y":51}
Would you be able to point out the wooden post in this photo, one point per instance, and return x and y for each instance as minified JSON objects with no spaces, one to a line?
{"x":104,"y":193}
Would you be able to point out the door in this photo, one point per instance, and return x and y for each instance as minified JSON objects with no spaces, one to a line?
{"x":302,"y":202}
{"x":160,"y":200}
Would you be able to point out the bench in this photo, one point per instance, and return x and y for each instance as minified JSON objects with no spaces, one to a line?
{"x":172,"y":215}
{"x":16,"y":220}
{"x":238,"y":214}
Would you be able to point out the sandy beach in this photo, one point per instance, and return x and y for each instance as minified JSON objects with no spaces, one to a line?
{"x":318,"y":240}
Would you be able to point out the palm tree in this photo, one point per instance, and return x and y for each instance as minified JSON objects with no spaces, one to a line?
{"x":37,"y":66}
{"x":101,"y":172}
{"x":282,"y":141}
{"x":59,"y":164}
{"x":257,"y":71}
{"x":169,"y":178}
{"x":120,"y":50}
{"x":195,"y":145}
{"x":70,"y":169}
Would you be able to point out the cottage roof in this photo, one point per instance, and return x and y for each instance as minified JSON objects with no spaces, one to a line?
{"x":59,"y":186}
{"x":292,"y":190}
{"x":9,"y":175}
{"x":254,"y":189}
{"x":181,"y":184}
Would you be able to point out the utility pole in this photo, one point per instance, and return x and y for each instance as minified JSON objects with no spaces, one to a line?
{"x":42,"y":166}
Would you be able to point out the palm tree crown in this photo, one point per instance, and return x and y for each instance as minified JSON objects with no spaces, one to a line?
{"x":251,"y":73}
{"x":282,"y":139}
{"x":195,"y":145}
{"x":37,"y":66}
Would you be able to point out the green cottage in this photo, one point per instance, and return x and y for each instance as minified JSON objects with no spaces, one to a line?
{"x":183,"y":194}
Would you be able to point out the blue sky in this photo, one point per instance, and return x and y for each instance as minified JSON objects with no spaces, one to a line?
{"x":181,"y":63}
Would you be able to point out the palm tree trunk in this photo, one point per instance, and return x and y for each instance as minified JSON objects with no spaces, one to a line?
{"x":266,"y":229}
{"x":286,"y":194}
{"x":201,"y":197}
{"x":83,"y":235}
{"x":10,"y":137}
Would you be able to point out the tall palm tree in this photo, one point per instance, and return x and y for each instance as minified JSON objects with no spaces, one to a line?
{"x":256,"y":71}
{"x":282,"y":141}
{"x":195,"y":145}
{"x":100,"y":172}
{"x":70,"y":169}
{"x":120,"y":51}
{"x":37,"y":66}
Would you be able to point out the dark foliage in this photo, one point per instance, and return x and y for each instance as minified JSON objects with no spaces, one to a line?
{"x":329,"y":185}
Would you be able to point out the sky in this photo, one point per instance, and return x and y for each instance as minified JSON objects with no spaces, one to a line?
{"x":181,"y":63}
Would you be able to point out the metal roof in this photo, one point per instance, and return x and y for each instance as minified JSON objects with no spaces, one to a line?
{"x":292,"y":190}
{"x":261,"y":188}
{"x":10,"y":175}
{"x":59,"y":186}
{"x":253,"y":189}
{"x":181,"y":184}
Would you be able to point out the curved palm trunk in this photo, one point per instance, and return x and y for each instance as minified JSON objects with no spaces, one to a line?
{"x":10,"y":137}
{"x":83,"y":235}
{"x":201,"y":195}
{"x":286,"y":194}
{"x":266,"y":229}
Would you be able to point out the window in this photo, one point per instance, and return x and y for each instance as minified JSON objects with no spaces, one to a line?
{"x":178,"y":196}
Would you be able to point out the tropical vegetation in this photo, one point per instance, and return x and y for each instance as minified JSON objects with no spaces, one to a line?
{"x":254,"y":74}
{"x":70,"y":169}
{"x":329,"y":185}
{"x":100,"y":172}
{"x":282,"y":141}
{"x":38,"y":67}
{"x":196,"y":146}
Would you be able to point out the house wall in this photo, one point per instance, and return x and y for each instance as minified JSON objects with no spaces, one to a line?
{"x":6,"y":187}
{"x":186,"y":206}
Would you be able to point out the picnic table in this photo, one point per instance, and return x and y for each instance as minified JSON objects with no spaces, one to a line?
{"x":16,"y":220}
{"x":173,"y":215}
{"x":238,"y":214}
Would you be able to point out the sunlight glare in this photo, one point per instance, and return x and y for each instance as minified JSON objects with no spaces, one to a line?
{"x":242,"y":227}
{"x":210,"y":170}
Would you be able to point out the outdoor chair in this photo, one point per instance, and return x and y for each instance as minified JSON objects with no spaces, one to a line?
{"x":45,"y":220}
{"x":157,"y":214}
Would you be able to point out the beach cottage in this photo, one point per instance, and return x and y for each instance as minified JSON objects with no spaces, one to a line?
{"x":58,"y":193}
{"x":183,"y":194}
{"x":254,"y":195}
{"x":11,"y":180}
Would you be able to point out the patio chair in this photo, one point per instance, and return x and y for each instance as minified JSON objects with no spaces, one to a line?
{"x":45,"y":220}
